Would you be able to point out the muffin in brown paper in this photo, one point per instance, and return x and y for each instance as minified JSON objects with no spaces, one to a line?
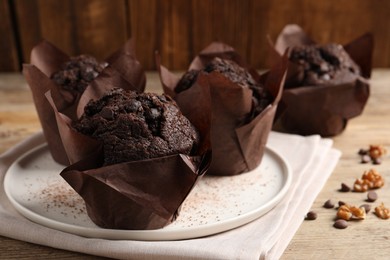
{"x":323,"y":106}
{"x":238,"y":131}
{"x":136,"y":195}
{"x":136,"y":126}
{"x":122,"y":70}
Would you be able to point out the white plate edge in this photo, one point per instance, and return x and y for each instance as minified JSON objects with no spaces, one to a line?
{"x":160,"y":234}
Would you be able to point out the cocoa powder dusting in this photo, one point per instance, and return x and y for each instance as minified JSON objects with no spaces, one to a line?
{"x":57,"y":195}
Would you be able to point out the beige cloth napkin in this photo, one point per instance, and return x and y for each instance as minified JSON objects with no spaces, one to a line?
{"x":312,"y":160}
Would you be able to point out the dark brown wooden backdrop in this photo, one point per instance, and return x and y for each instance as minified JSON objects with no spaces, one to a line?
{"x":180,"y":28}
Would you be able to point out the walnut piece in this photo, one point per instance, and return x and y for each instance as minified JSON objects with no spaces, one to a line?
{"x":361,"y":185}
{"x":348,"y":212}
{"x":382,"y":212}
{"x":371,"y":179}
{"x":376,"y":151}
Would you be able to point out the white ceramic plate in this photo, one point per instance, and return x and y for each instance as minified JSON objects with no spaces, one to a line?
{"x":216,"y":204}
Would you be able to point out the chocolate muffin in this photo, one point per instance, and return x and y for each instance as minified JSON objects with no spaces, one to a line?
{"x":135,"y":126}
{"x":77,"y":73}
{"x":324,"y":64}
{"x":261,"y":98}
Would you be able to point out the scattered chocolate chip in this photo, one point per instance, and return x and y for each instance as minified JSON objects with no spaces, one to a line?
{"x":328,"y":204}
{"x":311,"y":215}
{"x":341,"y":203}
{"x":365,"y":159}
{"x":377,"y":161}
{"x":373,"y":154}
{"x":345,"y":187}
{"x":367,"y":207}
{"x":340,"y":224}
{"x":363,"y":151}
{"x":372,"y":196}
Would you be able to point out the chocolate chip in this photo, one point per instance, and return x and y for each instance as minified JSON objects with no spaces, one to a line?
{"x":154,"y":113}
{"x":341,"y":203}
{"x":367,"y":207}
{"x":365,"y":159}
{"x":372,"y":196}
{"x":377,"y":161}
{"x":311,"y":215}
{"x":328,"y":204}
{"x":88,"y":73}
{"x":187,"y":80}
{"x":133,"y":106}
{"x":311,"y":76}
{"x":340,"y":224}
{"x":363,"y":152}
{"x":325,"y":77}
{"x":324,"y":68}
{"x":162,"y":98}
{"x":94,"y":74}
{"x":107,"y":113}
{"x":345,"y":187}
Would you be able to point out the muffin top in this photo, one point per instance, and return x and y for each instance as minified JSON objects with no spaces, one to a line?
{"x":261,"y":98}
{"x":324,"y":64}
{"x":136,"y":126}
{"x":77,"y":73}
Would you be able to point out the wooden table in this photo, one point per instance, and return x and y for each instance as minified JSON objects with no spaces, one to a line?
{"x":367,"y":239}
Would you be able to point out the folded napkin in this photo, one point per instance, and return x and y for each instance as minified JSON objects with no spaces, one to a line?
{"x":312,"y":160}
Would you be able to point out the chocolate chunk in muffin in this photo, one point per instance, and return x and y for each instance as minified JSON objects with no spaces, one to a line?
{"x":261,"y":97}
{"x":136,"y":126}
{"x":324,"y":64}
{"x":77,"y":73}
{"x":187,"y":80}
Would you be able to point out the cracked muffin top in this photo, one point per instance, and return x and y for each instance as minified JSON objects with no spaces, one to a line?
{"x":324,"y":64}
{"x":261,"y":98}
{"x":135,"y":126}
{"x":75,"y":74}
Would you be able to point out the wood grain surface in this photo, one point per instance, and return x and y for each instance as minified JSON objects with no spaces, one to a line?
{"x":367,"y":239}
{"x":180,"y":29}
{"x":9,"y":58}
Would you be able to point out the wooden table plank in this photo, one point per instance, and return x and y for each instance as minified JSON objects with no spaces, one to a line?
{"x":367,"y":239}
{"x":317,"y":239}
{"x":180,"y":29}
{"x":95,"y":27}
{"x":9,"y":60}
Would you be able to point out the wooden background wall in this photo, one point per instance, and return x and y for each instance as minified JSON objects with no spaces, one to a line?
{"x":180,"y":28}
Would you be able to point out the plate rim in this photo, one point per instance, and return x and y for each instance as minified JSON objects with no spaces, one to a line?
{"x":156,"y":234}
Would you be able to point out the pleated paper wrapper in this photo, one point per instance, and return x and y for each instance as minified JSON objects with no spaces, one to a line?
{"x":326,"y":109}
{"x":237,"y":144}
{"x":123,"y":71}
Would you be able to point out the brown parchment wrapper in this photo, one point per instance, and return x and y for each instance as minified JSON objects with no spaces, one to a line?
{"x":237,"y":145}
{"x":136,"y":195}
{"x":123,"y":71}
{"x":323,"y":110}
